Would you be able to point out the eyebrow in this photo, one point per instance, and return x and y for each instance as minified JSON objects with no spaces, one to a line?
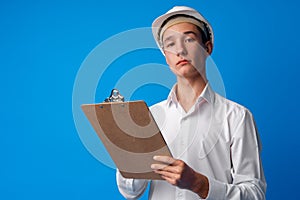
{"x":190,"y":32}
{"x":184,"y":33}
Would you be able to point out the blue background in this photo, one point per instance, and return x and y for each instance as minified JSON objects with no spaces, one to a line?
{"x":43,"y":44}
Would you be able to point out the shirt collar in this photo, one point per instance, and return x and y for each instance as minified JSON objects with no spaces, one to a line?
{"x":172,"y":98}
{"x":207,"y":94}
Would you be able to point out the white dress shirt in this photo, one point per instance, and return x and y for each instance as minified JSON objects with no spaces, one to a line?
{"x":217,"y":138}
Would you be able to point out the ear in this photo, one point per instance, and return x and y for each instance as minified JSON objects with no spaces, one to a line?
{"x":209,"y":47}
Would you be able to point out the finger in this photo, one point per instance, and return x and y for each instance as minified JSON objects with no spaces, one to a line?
{"x":158,"y":166}
{"x":169,"y":180}
{"x":168,"y":168}
{"x":164,"y":167}
{"x":169,"y":177}
{"x":167,"y":174}
{"x":165,"y":159}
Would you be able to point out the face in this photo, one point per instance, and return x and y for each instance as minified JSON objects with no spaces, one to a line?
{"x":184,"y":50}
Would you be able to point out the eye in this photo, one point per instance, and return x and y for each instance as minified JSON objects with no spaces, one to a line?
{"x":189,"y":40}
{"x":169,"y":44}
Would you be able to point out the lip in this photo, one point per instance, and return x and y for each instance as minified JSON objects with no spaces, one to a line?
{"x":182,"y":62}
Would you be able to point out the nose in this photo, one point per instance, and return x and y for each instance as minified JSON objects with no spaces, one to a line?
{"x":181,"y":49}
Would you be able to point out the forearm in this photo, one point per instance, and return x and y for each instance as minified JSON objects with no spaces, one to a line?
{"x":242,"y":188}
{"x":130,"y":188}
{"x":251,"y":189}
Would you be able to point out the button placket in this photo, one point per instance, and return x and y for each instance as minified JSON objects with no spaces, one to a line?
{"x":179,"y":194}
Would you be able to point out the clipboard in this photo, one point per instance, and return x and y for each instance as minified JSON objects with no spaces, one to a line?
{"x":130,"y":135}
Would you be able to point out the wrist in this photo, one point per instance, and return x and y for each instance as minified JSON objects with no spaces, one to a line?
{"x":200,"y":185}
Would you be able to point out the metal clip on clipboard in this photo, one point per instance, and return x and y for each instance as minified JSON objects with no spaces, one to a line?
{"x":115,"y":96}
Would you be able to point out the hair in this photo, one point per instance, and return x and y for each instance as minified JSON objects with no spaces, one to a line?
{"x":205,"y":36}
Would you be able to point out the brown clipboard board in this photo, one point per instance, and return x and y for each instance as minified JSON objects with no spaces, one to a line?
{"x":130,"y":135}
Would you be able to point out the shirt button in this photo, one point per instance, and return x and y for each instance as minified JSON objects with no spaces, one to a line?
{"x":179,"y":195}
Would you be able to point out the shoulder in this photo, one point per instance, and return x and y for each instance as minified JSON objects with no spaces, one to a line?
{"x":236,"y":115}
{"x":159,"y":111}
{"x":241,"y":123}
{"x":231,"y":107}
{"x":158,"y":106}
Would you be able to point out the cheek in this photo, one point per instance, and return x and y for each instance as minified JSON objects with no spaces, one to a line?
{"x":200,"y":55}
{"x":169,"y":58}
{"x":170,"y":62}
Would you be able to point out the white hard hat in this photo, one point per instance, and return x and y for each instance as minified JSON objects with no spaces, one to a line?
{"x":158,"y":22}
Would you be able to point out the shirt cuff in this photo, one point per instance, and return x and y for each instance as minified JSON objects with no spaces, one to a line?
{"x":130,"y":188}
{"x":217,"y":190}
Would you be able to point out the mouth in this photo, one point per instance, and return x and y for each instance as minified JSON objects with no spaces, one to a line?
{"x":182,"y":62}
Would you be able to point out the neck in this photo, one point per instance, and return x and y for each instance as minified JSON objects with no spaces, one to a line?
{"x":188,"y":90}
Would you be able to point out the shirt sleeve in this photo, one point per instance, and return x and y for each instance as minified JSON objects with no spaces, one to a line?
{"x":130,"y":188}
{"x":247,"y":172}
